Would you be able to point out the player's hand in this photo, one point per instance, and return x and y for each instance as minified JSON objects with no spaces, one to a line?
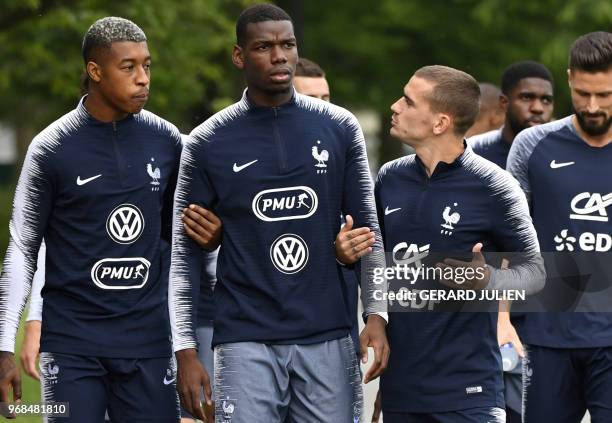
{"x":9,"y":377}
{"x":480,"y":271}
{"x":30,"y":348}
{"x":351,"y":243}
{"x":375,"y":336}
{"x":506,"y":333}
{"x":377,"y":408}
{"x":191,"y":378}
{"x":209,"y":412}
{"x":203,"y":226}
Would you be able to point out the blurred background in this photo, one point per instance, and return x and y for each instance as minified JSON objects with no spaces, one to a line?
{"x":369,"y":49}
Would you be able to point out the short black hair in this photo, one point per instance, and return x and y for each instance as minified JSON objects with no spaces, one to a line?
{"x":107,"y":31}
{"x":258,"y":13}
{"x":308,"y":68}
{"x":592,"y":52}
{"x":521,"y":70}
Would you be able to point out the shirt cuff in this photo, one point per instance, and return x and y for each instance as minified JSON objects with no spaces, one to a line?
{"x":382,"y":314}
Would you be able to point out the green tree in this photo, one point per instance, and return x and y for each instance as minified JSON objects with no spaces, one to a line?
{"x":41,"y":62}
{"x":370,"y":48}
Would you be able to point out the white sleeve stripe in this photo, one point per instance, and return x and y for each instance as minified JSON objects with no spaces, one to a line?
{"x":180,"y":301}
{"x":26,"y":233}
{"x":36,"y":301}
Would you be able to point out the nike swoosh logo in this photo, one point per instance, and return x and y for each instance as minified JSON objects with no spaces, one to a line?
{"x":244,"y":166}
{"x":84,"y":181}
{"x":555,"y":165}
{"x":387,"y":211}
{"x":168,"y":382}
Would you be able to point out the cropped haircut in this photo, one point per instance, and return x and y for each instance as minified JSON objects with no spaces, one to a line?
{"x":592,"y":52}
{"x":107,"y":31}
{"x":521,"y":70}
{"x":455,"y":92}
{"x":258,"y":13}
{"x":308,"y":68}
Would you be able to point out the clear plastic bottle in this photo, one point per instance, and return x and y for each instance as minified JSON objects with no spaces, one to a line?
{"x":510,"y":357}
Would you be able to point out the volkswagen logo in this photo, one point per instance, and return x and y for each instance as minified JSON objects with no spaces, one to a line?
{"x":125,"y":224}
{"x":289,"y":253}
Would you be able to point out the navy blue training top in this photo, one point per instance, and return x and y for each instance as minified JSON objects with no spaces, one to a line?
{"x":279,"y":178}
{"x":444,"y":361}
{"x":101,"y":195}
{"x":492,"y":146}
{"x":569,"y":185}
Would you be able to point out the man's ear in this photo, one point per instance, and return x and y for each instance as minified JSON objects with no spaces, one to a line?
{"x":503,"y":102}
{"x":442,"y":124}
{"x":94,"y":71}
{"x":237,"y":57}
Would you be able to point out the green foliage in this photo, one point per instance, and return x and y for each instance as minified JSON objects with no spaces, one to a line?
{"x":190,"y":42}
{"x":370,"y":49}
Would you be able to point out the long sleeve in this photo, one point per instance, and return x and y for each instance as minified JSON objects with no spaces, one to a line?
{"x":192,"y":187}
{"x":358,"y":201}
{"x":515,"y":234}
{"x":36,"y":301}
{"x":31,"y":209}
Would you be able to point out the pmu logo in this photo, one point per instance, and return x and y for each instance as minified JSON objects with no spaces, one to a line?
{"x":121,"y":273}
{"x":404,"y":254}
{"x":125,"y":224}
{"x":285,"y":203}
{"x":587,"y":206}
{"x":289,"y":253}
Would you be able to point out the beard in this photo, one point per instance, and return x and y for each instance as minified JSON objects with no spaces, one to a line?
{"x":516,"y":125}
{"x":590,"y":127}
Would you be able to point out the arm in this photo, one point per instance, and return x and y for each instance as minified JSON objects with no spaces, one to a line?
{"x":30,"y":348}
{"x":36,"y":301}
{"x":31,"y":208}
{"x":201,"y":225}
{"x":505,"y":330}
{"x":168,"y":202}
{"x":192,"y":187}
{"x":516,"y":234}
{"x":518,"y":159}
{"x":358,"y":202}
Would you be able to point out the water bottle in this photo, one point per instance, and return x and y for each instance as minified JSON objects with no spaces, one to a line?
{"x":510,"y":357}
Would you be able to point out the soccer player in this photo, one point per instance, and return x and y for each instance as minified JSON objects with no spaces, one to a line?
{"x":490,"y":114}
{"x":446,"y":367}
{"x":564,"y":169}
{"x":527,"y":99}
{"x":105,"y":218}
{"x":278,"y":168}
{"x":310,"y":80}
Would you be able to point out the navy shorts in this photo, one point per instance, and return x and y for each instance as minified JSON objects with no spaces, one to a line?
{"x":561,"y":384}
{"x":471,"y":415}
{"x":132,"y":390}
